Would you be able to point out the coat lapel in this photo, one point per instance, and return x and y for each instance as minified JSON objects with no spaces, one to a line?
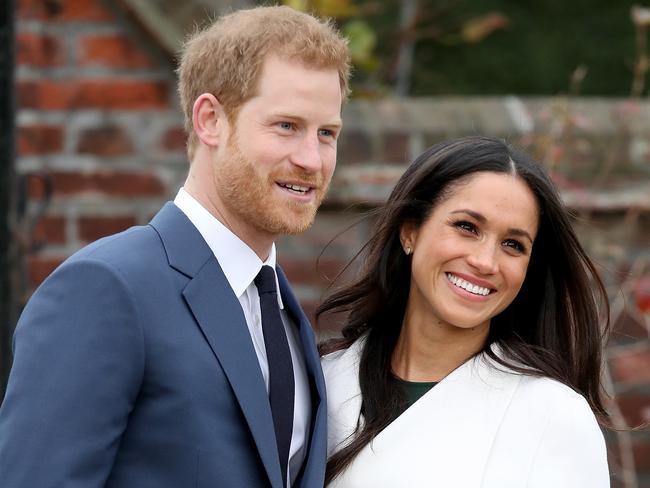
{"x":465,"y":409}
{"x":455,"y":421}
{"x":218,"y":313}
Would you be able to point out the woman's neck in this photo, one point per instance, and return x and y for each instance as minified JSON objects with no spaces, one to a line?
{"x":430,"y":351}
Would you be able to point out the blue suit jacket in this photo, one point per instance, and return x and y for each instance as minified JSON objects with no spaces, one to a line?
{"x":134,"y":367}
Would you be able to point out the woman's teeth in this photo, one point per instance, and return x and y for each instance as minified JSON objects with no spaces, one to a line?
{"x":466,"y":285}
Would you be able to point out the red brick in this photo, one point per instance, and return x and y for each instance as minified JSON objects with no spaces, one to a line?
{"x":117,"y":184}
{"x":309,"y":271}
{"x":356,"y":146}
{"x":642,"y":294}
{"x":309,"y":307}
{"x":37,"y":184}
{"x":632,"y":367}
{"x":102,"y":94}
{"x":113,"y":51}
{"x":62,"y":10}
{"x":38,"y":50}
{"x":50,"y":230}
{"x":174,"y":139}
{"x":395,"y":147}
{"x":39,"y":139}
{"x":93,"y":228}
{"x":635,"y":408}
{"x":642,"y":455}
{"x":40,"y":268}
{"x":105,"y":141}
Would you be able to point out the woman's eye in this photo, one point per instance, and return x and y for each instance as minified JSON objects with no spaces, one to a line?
{"x":515,"y":245}
{"x":466,"y":226}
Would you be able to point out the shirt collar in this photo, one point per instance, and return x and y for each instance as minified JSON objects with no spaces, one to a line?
{"x":238,"y":262}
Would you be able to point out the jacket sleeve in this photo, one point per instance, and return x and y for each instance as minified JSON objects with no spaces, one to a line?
{"x":572,"y":451}
{"x":78,"y":365}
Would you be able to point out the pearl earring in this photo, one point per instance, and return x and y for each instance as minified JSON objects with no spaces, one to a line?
{"x":408,"y":250}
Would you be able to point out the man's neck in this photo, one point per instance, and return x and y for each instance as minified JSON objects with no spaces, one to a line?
{"x":259,"y":242}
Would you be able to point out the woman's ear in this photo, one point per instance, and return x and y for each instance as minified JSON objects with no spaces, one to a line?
{"x":408,"y":234}
{"x":208,"y":119}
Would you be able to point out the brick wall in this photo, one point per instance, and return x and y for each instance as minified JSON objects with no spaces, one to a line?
{"x":98,"y":117}
{"x":98,"y":122}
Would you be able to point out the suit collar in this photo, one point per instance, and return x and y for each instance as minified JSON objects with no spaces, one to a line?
{"x":186,"y":250}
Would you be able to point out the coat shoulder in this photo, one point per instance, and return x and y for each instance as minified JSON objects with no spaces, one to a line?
{"x":551,"y":392}
{"x":343,"y":362}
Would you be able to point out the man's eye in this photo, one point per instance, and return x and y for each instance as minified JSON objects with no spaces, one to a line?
{"x":286,"y":125}
{"x":325,"y":133}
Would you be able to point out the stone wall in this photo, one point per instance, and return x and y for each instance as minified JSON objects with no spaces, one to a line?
{"x":101,"y":146}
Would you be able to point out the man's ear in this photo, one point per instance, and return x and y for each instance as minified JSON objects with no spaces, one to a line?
{"x":208,"y":119}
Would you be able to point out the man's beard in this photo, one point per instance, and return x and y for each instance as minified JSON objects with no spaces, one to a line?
{"x":252,"y":197}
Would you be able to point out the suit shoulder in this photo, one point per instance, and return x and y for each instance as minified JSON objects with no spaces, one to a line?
{"x":132,"y":249}
{"x":134,"y":238}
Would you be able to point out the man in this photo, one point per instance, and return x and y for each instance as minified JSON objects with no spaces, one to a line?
{"x":162,"y":356}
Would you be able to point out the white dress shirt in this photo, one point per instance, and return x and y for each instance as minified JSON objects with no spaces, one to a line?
{"x":241,"y":265}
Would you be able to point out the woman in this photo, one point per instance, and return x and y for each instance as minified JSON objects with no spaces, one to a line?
{"x":471,"y":354}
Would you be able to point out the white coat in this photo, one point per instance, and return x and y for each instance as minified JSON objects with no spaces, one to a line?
{"x":481,"y":426}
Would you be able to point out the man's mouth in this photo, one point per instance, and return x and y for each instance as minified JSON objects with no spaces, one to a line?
{"x":467,"y":286}
{"x":297,"y":189}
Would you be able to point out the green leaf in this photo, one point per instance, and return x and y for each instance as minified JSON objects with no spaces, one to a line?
{"x":362,"y":40}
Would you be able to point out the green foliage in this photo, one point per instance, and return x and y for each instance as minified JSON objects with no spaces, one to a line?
{"x":546,"y":40}
{"x":362,"y":38}
{"x":487,"y":47}
{"x":362,"y":45}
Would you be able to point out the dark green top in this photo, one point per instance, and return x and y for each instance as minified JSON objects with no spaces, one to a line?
{"x":414,"y":390}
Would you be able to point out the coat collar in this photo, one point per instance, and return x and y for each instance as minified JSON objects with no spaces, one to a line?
{"x":469,"y":403}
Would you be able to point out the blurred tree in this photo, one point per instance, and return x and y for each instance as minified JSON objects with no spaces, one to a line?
{"x":388,"y":67}
{"x":456,"y":47}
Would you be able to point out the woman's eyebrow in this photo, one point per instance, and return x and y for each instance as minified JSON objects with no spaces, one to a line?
{"x":482,"y":219}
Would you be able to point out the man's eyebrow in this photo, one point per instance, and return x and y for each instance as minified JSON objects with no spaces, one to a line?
{"x":482,"y":219}
{"x":338,"y":122}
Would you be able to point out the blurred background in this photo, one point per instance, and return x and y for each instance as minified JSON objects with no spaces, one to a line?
{"x":91,"y":139}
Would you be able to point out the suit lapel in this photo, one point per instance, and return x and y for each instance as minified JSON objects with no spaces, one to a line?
{"x":218,"y":313}
{"x":314,"y":464}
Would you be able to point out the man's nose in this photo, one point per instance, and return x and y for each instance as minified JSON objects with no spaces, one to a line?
{"x":308,"y":155}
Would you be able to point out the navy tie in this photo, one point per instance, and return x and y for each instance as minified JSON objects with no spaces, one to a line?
{"x":278,"y":355}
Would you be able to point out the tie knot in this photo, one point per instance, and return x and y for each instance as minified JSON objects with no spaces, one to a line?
{"x":265,"y":280}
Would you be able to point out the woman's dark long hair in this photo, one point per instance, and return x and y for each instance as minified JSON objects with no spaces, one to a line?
{"x":555,"y":327}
